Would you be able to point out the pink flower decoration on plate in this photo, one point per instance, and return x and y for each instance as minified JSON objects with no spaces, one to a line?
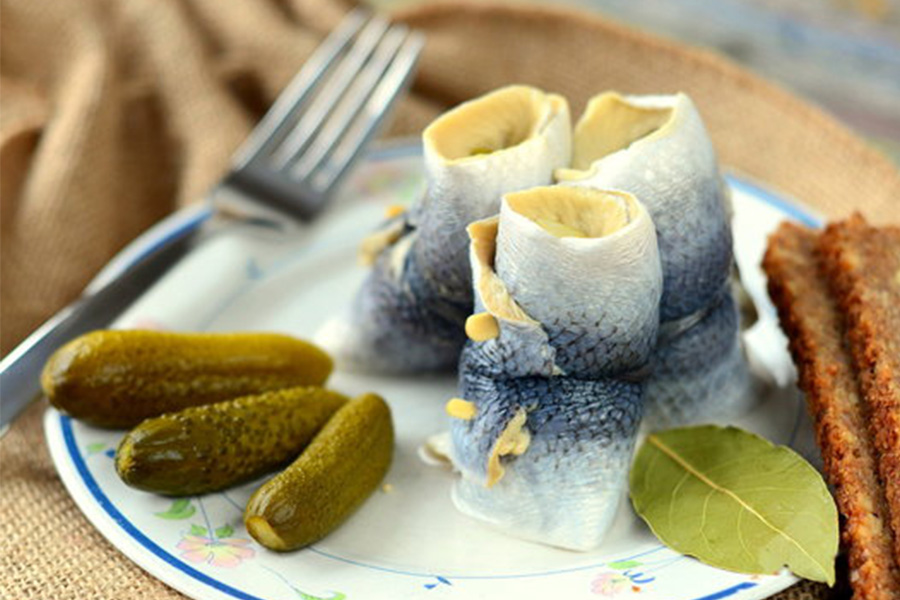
{"x":223,"y":552}
{"x":610,"y":584}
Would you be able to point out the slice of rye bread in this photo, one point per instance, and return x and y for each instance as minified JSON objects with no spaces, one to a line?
{"x":863,"y":267}
{"x":809,"y":315}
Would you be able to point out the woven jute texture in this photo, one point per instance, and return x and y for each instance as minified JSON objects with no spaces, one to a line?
{"x":116,"y":112}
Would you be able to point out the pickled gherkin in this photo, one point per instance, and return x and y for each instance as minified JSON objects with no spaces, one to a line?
{"x":120,"y":378}
{"x":207,"y":448}
{"x":340,"y":468}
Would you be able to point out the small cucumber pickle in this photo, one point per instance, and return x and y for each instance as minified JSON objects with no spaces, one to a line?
{"x":119,"y":378}
{"x":207,"y":448}
{"x":334,"y":475}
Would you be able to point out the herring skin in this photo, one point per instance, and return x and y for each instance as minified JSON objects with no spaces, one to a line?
{"x":673,"y":171}
{"x":409,"y":314}
{"x":410,"y":327}
{"x":575,"y":376}
{"x":706,"y":362}
{"x":598,"y":305}
{"x":564,"y":490}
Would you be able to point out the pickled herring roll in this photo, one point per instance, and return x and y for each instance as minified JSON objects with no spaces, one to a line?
{"x":567,"y":286}
{"x":409,"y":314}
{"x":657,"y":148}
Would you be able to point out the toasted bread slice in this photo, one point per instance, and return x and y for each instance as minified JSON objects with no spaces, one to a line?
{"x":810,"y":316}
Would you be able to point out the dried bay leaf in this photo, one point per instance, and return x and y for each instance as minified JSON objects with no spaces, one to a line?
{"x":736,"y":501}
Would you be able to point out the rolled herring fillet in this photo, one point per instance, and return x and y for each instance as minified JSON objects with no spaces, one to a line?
{"x":657,"y":148}
{"x":410,"y":312}
{"x":567,"y":286}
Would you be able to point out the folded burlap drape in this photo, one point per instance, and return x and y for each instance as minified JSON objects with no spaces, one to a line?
{"x":115,"y":112}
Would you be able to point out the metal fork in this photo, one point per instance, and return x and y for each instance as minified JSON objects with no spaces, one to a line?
{"x":285,"y":173}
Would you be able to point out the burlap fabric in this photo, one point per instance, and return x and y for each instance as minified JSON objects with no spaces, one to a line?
{"x":116,"y":112}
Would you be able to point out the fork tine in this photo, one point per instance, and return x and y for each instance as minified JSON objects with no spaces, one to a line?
{"x":350,"y":104}
{"x":374,"y":72}
{"x":280,"y":117}
{"x":394,"y":82}
{"x":332,"y":90}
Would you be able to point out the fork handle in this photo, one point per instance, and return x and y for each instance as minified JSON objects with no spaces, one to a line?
{"x":97,"y":307}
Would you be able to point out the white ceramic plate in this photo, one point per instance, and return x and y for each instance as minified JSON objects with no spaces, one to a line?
{"x":407,"y":541}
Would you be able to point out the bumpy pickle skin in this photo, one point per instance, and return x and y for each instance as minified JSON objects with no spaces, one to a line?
{"x":208,"y":448}
{"x":117,"y":379}
{"x":342,"y":466}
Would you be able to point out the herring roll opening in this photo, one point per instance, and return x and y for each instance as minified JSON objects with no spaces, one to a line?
{"x":509,"y":140}
{"x":611,"y":123}
{"x":409,"y":315}
{"x":657,"y":148}
{"x":576,"y":259}
{"x":495,"y":122}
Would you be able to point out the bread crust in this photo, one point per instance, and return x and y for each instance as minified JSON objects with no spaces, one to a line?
{"x":862,"y":264}
{"x":811,"y":317}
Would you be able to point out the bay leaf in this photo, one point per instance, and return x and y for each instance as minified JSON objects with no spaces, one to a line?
{"x":736,"y":501}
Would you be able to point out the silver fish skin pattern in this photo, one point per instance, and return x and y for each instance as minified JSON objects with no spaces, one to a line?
{"x":522,"y":349}
{"x":409,"y":314}
{"x":675,"y":174}
{"x":455,"y":199}
{"x":599,"y":306}
{"x":564,"y":489}
{"x":409,"y":327}
{"x":705,"y":361}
